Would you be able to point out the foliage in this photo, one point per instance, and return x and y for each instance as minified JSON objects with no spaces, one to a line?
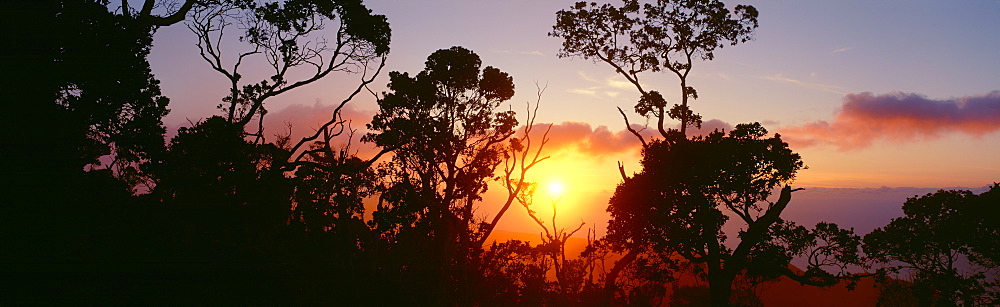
{"x":329,"y":198}
{"x":212,"y":164}
{"x":689,"y":188}
{"x":947,"y":243}
{"x":233,"y":218}
{"x":446,"y":135}
{"x":290,"y":38}
{"x":89,"y":92}
{"x":513,"y":273}
{"x":447,"y":140}
{"x":663,"y":35}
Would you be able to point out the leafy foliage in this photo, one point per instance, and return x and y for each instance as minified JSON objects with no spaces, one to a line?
{"x":91,"y":95}
{"x":689,"y":188}
{"x":290,"y":36}
{"x":447,"y":139}
{"x":690,"y":182}
{"x":445,"y":132}
{"x":947,"y":242}
{"x":662,"y":35}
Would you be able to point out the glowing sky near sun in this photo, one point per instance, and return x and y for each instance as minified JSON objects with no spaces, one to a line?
{"x":827,"y":75}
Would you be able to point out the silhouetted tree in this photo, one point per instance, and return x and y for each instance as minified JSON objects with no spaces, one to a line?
{"x":89,"y":93}
{"x":447,"y":138}
{"x":947,"y":244}
{"x":513,"y":273}
{"x":90,"y":133}
{"x":85,"y":117}
{"x":570,"y":274}
{"x":689,"y":188}
{"x":212,"y":164}
{"x":663,"y":35}
{"x":291,"y":38}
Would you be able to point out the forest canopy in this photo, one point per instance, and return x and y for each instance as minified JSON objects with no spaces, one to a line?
{"x":106,"y":205}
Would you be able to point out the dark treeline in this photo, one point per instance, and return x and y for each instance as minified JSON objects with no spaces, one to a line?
{"x":99,"y":207}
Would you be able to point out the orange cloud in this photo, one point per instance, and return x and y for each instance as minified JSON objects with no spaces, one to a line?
{"x":600,"y":141}
{"x":864,"y":119}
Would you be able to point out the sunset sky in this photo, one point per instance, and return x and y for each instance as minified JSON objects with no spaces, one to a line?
{"x":895,"y":94}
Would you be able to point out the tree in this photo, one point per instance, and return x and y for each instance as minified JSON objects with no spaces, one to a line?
{"x":91,"y":95}
{"x":88,"y":118}
{"x":289,"y":37}
{"x":447,"y":138}
{"x":665,"y":35}
{"x":689,"y":188}
{"x":571,"y":278}
{"x":513,"y":273}
{"x":947,"y":243}
{"x":88,"y":133}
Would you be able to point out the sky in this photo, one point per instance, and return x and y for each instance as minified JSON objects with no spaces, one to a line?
{"x":893,"y":96}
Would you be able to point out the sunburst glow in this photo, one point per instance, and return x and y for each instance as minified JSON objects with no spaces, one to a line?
{"x":556,"y":189}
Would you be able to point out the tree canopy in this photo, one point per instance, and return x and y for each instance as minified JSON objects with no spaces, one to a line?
{"x":947,"y":244}
{"x":101,"y":207}
{"x":663,"y":35}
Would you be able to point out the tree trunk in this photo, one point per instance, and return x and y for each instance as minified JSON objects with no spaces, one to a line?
{"x":609,"y":281}
{"x":720,"y":287}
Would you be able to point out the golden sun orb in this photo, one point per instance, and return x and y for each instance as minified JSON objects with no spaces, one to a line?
{"x":556,"y":189}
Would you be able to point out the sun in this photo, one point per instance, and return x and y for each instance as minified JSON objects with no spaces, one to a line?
{"x":556,"y":189}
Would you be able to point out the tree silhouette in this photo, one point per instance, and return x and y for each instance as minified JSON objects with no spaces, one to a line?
{"x":215,"y":219}
{"x":689,"y":188}
{"x":447,"y":139}
{"x":98,"y":199}
{"x":664,"y":35}
{"x":249,"y":216}
{"x":513,"y":273}
{"x":947,"y":243}
{"x":93,"y":94}
{"x":87,"y":118}
{"x":570,"y":274}
{"x":289,"y":37}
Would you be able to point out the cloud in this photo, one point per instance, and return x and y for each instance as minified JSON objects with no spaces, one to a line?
{"x":586,"y":77}
{"x":864,"y":119}
{"x":709,"y":126}
{"x":582,"y":91}
{"x":609,"y":87}
{"x":305,"y":119}
{"x":809,"y":85}
{"x":617,"y":81}
{"x":845,"y":49}
{"x":602,"y":141}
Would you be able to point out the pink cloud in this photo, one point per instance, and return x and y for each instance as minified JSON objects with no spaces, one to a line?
{"x":601,"y":141}
{"x":304,"y":120}
{"x":598,"y":141}
{"x":900,"y":117}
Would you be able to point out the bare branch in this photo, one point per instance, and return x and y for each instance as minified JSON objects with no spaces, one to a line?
{"x":629,"y":127}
